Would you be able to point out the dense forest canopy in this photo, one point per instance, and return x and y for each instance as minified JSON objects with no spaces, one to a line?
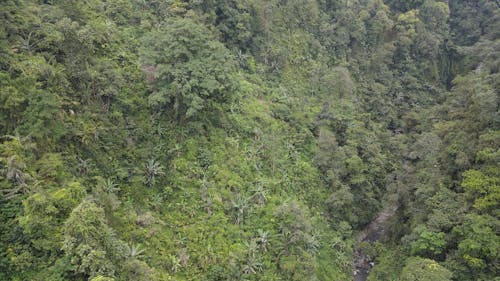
{"x":249,"y":140}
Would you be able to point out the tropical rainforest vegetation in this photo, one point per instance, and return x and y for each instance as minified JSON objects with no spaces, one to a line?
{"x":248,"y":139}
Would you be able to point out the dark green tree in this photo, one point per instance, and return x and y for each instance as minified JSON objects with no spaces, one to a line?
{"x":190,"y":72}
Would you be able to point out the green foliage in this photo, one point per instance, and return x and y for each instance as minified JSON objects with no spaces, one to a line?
{"x":89,"y":243}
{"x":478,"y":243}
{"x":249,"y":140}
{"x":419,"y":269}
{"x":152,"y":170}
{"x":485,"y":190}
{"x":428,"y":244}
{"x":102,"y":278}
{"x":134,"y":269}
{"x":190,"y":71}
{"x":388,"y":263}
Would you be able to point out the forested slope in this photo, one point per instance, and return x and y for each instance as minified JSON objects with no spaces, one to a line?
{"x":248,"y":140}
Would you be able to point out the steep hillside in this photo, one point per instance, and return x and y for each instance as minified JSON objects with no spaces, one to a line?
{"x":249,"y":140}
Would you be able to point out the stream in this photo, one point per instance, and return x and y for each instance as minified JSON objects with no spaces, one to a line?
{"x":362,"y":264}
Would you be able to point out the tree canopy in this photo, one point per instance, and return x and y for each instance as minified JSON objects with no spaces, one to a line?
{"x":249,"y":140}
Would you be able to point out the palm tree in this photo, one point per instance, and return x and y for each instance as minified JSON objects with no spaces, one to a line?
{"x":13,"y":172}
{"x":84,"y":167}
{"x":259,"y":195}
{"x":29,"y":44}
{"x":25,"y":142}
{"x":155,"y":200}
{"x":177,"y":149}
{"x":10,"y":193}
{"x":251,"y":247}
{"x":133,"y":251}
{"x":153,"y":170}
{"x":175,"y":263}
{"x":312,"y":244}
{"x":240,"y":204}
{"x":109,"y":186}
{"x":262,"y":239}
{"x":242,"y":58}
{"x":252,"y":265}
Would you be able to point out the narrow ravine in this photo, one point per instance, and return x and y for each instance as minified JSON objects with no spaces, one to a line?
{"x":362,"y":264}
